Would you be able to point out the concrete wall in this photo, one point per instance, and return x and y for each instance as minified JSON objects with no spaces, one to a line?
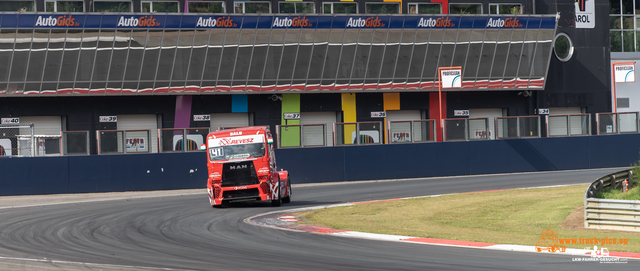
{"x":136,"y":172}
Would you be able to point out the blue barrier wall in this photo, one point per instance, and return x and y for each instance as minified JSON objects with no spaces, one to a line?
{"x":459,"y":158}
{"x":102,"y":173}
{"x":136,"y":172}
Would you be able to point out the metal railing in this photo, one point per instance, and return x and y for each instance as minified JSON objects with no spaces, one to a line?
{"x":617,"y":123}
{"x":74,"y":143}
{"x":517,"y":127}
{"x":17,"y":140}
{"x":48,"y":145}
{"x":301,"y":135}
{"x":411,"y":131}
{"x":358,"y":133}
{"x":609,"y":213}
{"x":123,"y":141}
{"x":466,"y":129}
{"x":568,"y":125}
{"x":181,"y":139}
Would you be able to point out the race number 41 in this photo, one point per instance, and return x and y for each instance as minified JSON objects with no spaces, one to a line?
{"x":10,"y":120}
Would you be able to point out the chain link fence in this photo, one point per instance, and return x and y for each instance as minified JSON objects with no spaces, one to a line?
{"x":17,"y":140}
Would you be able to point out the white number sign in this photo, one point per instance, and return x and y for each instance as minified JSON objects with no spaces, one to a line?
{"x":201,"y":117}
{"x":461,"y":113}
{"x":215,"y":152}
{"x":291,"y":116}
{"x":381,"y":114}
{"x":10,"y":120}
{"x":108,"y":119}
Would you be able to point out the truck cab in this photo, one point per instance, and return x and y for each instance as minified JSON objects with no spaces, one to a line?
{"x":242,"y":167}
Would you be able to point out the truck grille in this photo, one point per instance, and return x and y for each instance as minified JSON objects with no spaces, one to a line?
{"x":265,"y":188}
{"x":241,"y":194}
{"x":241,"y":173}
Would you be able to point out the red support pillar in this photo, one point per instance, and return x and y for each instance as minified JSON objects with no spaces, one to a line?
{"x":445,"y":5}
{"x":434,"y":106}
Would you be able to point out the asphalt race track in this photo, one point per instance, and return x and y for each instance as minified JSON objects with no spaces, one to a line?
{"x":185,"y":233}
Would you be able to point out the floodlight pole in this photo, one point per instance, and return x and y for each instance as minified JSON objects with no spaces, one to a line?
{"x":440,"y":119}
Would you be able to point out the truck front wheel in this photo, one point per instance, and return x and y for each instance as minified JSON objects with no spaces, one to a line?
{"x":277,"y":202}
{"x":287,"y":199}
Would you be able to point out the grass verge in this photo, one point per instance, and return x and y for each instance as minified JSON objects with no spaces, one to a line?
{"x":505,"y":217}
{"x":616,"y":193}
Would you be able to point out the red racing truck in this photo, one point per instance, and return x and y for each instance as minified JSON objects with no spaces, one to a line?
{"x":242,"y":167}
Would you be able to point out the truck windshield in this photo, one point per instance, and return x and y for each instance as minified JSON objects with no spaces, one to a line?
{"x":236,"y":151}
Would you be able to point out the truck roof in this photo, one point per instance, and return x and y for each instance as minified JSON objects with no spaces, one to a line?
{"x":239,"y":131}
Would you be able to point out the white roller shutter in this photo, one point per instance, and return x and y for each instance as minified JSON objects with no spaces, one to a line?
{"x":44,"y":125}
{"x":140,"y":122}
{"x":491,"y":114}
{"x":580,"y":125}
{"x":229,"y":120}
{"x":558,"y":125}
{"x":310,"y":133}
{"x":401,"y":131}
{"x":564,"y":110}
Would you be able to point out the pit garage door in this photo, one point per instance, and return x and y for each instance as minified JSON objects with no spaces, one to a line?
{"x":44,"y":125}
{"x":47,"y":132}
{"x":140,"y":141}
{"x":229,"y":120}
{"x":311,"y":136}
{"x":565,"y":110}
{"x":559,"y":126}
{"x":491,"y":114}
{"x":401,"y":131}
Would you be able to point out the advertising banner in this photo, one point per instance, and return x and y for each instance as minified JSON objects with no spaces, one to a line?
{"x":451,"y":78}
{"x":585,"y":13}
{"x":137,"y":141}
{"x":153,"y":21}
{"x":624,"y":73}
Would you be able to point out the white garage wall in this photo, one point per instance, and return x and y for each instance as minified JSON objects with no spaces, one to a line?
{"x":325,"y":117}
{"x":403,"y":128}
{"x":44,"y":125}
{"x":558,"y":125}
{"x":626,"y":90}
{"x":227,"y":120}
{"x":140,"y":122}
{"x":490,"y":113}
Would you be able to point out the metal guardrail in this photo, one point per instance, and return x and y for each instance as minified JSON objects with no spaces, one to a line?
{"x":611,"y":214}
{"x":302,"y":135}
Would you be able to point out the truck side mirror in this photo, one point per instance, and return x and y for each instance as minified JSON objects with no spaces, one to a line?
{"x":270,"y":140}
{"x":203,"y":147}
